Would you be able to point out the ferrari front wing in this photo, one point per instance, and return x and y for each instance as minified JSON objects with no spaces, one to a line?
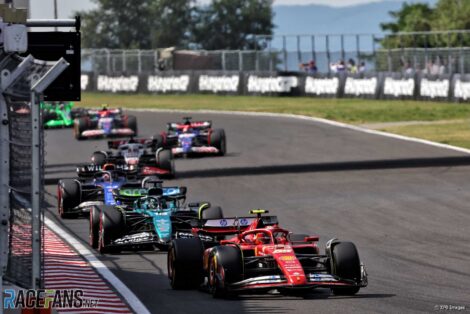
{"x":314,"y":280}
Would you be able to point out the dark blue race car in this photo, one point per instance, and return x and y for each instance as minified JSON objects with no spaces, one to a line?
{"x":192,"y":138}
{"x":94,"y":186}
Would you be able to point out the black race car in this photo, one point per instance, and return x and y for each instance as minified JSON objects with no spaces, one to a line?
{"x":141,"y":153}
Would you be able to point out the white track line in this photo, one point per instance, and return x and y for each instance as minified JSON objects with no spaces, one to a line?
{"x":312,"y":119}
{"x":124,"y":291}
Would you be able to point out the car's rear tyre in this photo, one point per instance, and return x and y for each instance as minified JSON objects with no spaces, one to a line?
{"x":111,"y":228}
{"x":98,"y":158}
{"x":158,"y":141}
{"x":132,"y":124}
{"x":80,"y":125}
{"x":218,"y":140}
{"x":77,"y":112}
{"x":346,"y":265}
{"x":229,"y":259}
{"x":164,"y":160}
{"x":184,"y":262}
{"x":214,"y":212}
{"x":69,"y":197}
{"x":48,"y":116}
{"x":94,"y":231}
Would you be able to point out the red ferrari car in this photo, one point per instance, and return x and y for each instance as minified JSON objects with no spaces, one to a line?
{"x":261,"y":256}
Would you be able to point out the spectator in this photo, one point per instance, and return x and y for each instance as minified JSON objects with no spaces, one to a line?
{"x":337,"y":67}
{"x":352,"y":66}
{"x":362,"y":67}
{"x":428,"y":68}
{"x":407,"y":68}
{"x":310,"y":68}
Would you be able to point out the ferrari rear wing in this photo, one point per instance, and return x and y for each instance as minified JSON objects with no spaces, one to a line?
{"x":232,"y":225}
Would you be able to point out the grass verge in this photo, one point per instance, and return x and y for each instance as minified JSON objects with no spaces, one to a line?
{"x":356,"y":111}
{"x":452,"y":133}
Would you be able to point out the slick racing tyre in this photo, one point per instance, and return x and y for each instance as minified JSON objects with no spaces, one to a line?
{"x":229,"y":259}
{"x":48,"y":116}
{"x":77,"y":112}
{"x":68,"y":196}
{"x":184,"y":262}
{"x":217,"y":139}
{"x":110,"y":228}
{"x":131,"y":123}
{"x":214,"y":212}
{"x":164,"y":159}
{"x":159,"y":141}
{"x":346,"y":265}
{"x":80,"y":125}
{"x":94,"y":230}
{"x":98,"y":158}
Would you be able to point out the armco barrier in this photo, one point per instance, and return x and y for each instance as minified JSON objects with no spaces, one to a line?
{"x":384,"y":85}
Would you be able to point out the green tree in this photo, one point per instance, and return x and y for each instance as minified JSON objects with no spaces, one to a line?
{"x":410,"y":18}
{"x":117,"y":24}
{"x":137,"y":24}
{"x":231,"y":24}
{"x":451,"y":15}
{"x":172,"y":23}
{"x":446,"y":15}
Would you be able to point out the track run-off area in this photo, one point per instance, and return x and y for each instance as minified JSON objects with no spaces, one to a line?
{"x":404,"y":204}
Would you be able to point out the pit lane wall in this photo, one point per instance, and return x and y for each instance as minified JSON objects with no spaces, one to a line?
{"x":384,"y":85}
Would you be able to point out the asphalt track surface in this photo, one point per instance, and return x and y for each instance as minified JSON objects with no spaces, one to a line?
{"x":405,"y":205}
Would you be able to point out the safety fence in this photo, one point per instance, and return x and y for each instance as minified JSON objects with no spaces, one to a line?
{"x":22,"y":167}
{"x":383,"y":85}
{"x":450,"y":50}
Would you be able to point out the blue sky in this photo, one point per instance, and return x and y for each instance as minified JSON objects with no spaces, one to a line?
{"x":44,"y":8}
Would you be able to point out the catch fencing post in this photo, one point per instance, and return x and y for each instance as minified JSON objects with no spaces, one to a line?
{"x":270,"y":54}
{"x":139,"y":61}
{"x":342,"y":48}
{"x":284,"y":49}
{"x":328,"y":57}
{"x":299,"y":54}
{"x":223,"y":61}
{"x":4,"y":191}
{"x":314,"y":57}
{"x":358,"y":49}
{"x":124,"y":63}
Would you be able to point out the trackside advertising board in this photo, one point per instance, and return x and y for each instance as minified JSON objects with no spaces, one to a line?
{"x":383,"y":85}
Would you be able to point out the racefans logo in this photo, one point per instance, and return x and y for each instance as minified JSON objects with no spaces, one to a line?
{"x":46,"y":299}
